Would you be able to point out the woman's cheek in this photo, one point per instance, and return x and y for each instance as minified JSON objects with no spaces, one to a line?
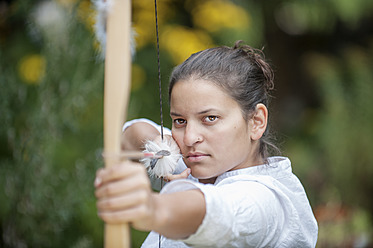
{"x":178,"y":139}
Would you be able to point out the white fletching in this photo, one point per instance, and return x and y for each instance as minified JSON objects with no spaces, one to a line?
{"x":165,"y":165}
{"x":103,"y":8}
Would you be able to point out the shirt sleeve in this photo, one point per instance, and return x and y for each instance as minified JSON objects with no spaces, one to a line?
{"x":158,"y":127}
{"x":241,"y":214}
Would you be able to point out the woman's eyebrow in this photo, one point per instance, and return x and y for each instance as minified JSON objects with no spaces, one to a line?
{"x":174,"y":114}
{"x":206,"y":111}
{"x":199,"y":113}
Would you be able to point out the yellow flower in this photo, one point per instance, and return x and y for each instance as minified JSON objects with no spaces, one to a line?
{"x":144,"y":20}
{"x":214,"y":16}
{"x":31,"y":68}
{"x":86,"y":14}
{"x":181,"y":42}
{"x":145,"y":29}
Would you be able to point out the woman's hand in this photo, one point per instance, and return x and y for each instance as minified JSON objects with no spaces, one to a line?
{"x":182,"y":175}
{"x":124,"y":195}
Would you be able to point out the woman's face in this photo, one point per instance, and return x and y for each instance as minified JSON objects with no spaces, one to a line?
{"x":210,"y":130}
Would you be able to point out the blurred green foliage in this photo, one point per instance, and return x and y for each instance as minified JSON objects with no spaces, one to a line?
{"x":51,"y":81}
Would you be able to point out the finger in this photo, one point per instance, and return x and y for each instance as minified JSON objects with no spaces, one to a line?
{"x":120,"y":171}
{"x":124,"y":216}
{"x":98,"y":181}
{"x":123,"y":186}
{"x":123,"y":202}
{"x":182,"y":175}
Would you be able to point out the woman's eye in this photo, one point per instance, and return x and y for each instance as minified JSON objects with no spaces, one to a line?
{"x":211,"y":118}
{"x":179,"y":122}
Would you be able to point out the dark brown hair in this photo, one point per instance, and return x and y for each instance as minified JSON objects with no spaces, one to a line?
{"x":241,"y":71}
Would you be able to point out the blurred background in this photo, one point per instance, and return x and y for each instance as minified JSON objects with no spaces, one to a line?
{"x":51,"y":105}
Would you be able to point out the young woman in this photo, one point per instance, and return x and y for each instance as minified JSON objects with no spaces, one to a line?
{"x":243,"y":198}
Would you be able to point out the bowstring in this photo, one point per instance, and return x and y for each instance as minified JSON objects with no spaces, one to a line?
{"x":159,"y":67}
{"x":160,"y":89}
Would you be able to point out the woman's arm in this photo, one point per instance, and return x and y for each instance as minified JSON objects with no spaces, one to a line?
{"x":134,"y":136}
{"x":124,"y":195}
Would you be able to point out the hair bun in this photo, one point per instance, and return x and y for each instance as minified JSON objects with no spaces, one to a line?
{"x":257,"y":56}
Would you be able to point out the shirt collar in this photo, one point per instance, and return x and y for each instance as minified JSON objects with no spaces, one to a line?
{"x":276,"y":167}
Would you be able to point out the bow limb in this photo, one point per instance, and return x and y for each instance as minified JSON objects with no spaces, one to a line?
{"x":116,"y":96}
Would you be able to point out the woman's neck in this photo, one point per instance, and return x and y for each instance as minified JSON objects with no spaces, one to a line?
{"x":207,"y":180}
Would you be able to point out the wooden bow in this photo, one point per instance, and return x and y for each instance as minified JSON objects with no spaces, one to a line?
{"x":116,"y":96}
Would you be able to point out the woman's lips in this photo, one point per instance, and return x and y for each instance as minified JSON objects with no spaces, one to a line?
{"x":196,"y":156}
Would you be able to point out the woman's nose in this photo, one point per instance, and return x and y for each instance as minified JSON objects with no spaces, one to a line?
{"x":192,"y":135}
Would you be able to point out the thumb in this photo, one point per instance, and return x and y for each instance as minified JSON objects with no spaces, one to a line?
{"x":182,"y":175}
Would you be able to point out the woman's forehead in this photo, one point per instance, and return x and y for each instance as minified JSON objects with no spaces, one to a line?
{"x":201,"y":86}
{"x":199,"y":95}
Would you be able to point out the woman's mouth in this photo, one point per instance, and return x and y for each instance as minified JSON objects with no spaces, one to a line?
{"x":196,"y":156}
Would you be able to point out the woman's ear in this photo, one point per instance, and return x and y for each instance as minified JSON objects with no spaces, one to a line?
{"x":259,"y":121}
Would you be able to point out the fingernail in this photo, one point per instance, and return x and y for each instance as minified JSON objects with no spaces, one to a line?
{"x":97,"y":181}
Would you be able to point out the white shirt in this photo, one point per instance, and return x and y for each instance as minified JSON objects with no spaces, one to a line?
{"x":259,"y":206}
